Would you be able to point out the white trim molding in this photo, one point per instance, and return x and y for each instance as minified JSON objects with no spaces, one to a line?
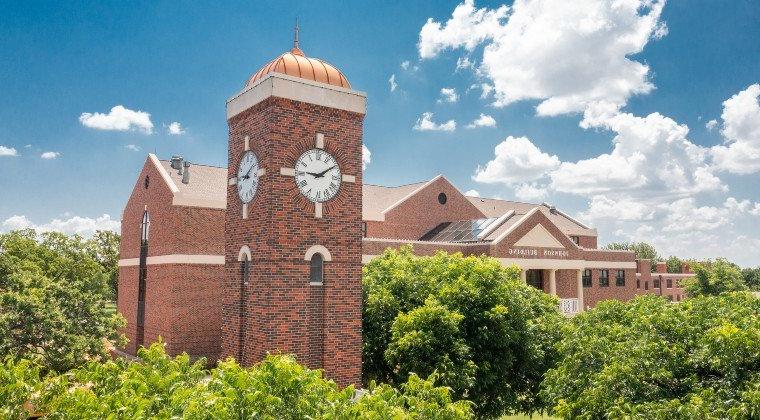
{"x":297,"y":89}
{"x":317,"y":249}
{"x":244,"y":252}
{"x":165,"y":175}
{"x":199,"y":259}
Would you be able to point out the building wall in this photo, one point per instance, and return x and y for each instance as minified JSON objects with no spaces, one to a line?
{"x":596,"y":293}
{"x":422,"y":212}
{"x":281,"y":227}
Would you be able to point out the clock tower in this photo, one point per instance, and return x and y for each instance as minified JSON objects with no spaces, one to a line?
{"x":293,"y":220}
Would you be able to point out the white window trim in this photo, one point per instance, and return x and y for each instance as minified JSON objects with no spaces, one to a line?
{"x":244,"y":252}
{"x":318,"y":249}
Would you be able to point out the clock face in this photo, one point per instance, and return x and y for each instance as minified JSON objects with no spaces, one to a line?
{"x":317,"y":175}
{"x":248,"y":177}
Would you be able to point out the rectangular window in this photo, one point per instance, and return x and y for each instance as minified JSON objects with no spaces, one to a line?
{"x":587,"y":278}
{"x":669,"y":283}
{"x":364,"y":229}
{"x":620,"y":279}
{"x":670,"y":298}
{"x":604,"y":278}
{"x":638,"y":284}
{"x":575,"y":239}
{"x":646,"y":285}
{"x":656,"y":283}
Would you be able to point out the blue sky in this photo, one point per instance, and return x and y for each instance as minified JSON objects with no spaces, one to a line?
{"x":587,"y":107}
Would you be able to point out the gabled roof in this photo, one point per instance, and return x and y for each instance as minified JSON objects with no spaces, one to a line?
{"x":492,"y":207}
{"x":207,"y":186}
{"x":376,"y":198}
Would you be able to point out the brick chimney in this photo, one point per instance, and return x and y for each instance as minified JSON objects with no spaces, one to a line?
{"x":661,"y":267}
{"x":643,"y":266}
{"x":685,"y":268}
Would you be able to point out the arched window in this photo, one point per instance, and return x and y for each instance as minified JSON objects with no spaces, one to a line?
{"x":145,"y":227}
{"x":317,"y":266}
{"x":244,"y":256}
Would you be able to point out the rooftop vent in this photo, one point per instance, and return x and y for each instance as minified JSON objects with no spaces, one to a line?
{"x":177,"y":162}
{"x":552,"y":210}
{"x":186,"y":175}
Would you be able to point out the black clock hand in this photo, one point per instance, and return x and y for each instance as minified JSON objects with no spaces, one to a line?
{"x":321,"y":174}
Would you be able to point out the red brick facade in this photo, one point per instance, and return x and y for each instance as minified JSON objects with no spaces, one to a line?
{"x":321,"y":325}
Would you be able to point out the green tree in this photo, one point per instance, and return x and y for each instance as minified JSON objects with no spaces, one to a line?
{"x":714,"y":278}
{"x":651,"y":359}
{"x":104,"y":248}
{"x":489,"y":336}
{"x":752,"y":278}
{"x":52,"y":296}
{"x":643,"y":250}
{"x":675,"y":264}
{"x":159,"y":386}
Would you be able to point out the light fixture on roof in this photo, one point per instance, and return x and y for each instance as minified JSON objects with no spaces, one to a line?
{"x":176,"y":163}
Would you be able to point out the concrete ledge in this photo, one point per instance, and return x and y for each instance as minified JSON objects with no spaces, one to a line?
{"x":175,"y":259}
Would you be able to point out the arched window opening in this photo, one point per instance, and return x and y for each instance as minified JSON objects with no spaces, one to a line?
{"x":316,"y":272}
{"x":145,"y":227}
{"x":245,"y":271}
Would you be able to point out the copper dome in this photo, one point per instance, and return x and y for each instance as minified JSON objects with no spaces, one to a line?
{"x":295,"y":63}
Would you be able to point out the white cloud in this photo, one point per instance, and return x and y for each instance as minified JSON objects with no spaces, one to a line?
{"x":651,"y":156}
{"x":740,"y":152}
{"x":392,"y":82}
{"x":516,"y":160}
{"x":482,"y":121}
{"x":710,"y":125}
{"x":530,"y":192}
{"x":50,"y":155}
{"x":602,"y":207}
{"x":425,"y":123}
{"x":743,"y":206}
{"x":684,"y":216}
{"x":84,"y":226}
{"x":464,"y":63}
{"x":448,"y":95}
{"x":566,"y":54}
{"x":133,"y":147}
{"x":175,"y":129}
{"x":405,"y":64}
{"x":472,"y":193}
{"x":8,"y":151}
{"x":119,"y":119}
{"x":366,"y":157}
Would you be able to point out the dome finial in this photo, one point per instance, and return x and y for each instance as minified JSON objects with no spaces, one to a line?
{"x":296,"y":50}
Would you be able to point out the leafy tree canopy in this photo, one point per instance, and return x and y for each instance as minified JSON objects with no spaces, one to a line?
{"x":488,"y":336}
{"x":752,"y":278}
{"x":651,"y":359}
{"x":675,"y":264}
{"x":52,"y":296}
{"x":163,"y":387}
{"x":714,"y":278}
{"x":643,"y":250}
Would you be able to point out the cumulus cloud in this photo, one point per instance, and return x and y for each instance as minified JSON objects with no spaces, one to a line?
{"x":566,"y":54}
{"x":448,"y":95}
{"x":683,"y":215}
{"x":50,"y":155}
{"x":426,"y":123}
{"x":602,"y":207}
{"x":482,"y":121}
{"x":516,"y":160}
{"x":710,"y":125}
{"x":133,"y":147}
{"x":83,"y":226}
{"x":472,"y":193}
{"x":175,"y":129}
{"x":740,"y":152}
{"x":118,"y":119}
{"x":464,"y":63}
{"x":530,"y":192}
{"x":8,"y":151}
{"x":392,"y":82}
{"x":366,"y":157}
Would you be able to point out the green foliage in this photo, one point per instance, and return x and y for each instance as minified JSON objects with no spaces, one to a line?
{"x":643,"y":250}
{"x":52,"y":301}
{"x":104,"y":248}
{"x":650,"y":359}
{"x":674,"y":264}
{"x":714,"y":278}
{"x":163,"y":387}
{"x":487,"y":335}
{"x":752,"y":278}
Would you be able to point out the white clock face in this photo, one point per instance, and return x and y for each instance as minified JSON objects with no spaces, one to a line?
{"x":248,"y":177}
{"x":317,"y":175}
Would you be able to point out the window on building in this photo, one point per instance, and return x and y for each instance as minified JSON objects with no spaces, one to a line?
{"x":142,"y":277}
{"x":646,"y":285}
{"x":656,"y":283}
{"x":604,"y":278}
{"x":670,"y":298}
{"x":678,"y":298}
{"x":575,"y":239}
{"x":620,"y":278}
{"x":669,"y":283}
{"x":316,"y":272}
{"x":364,"y":229}
{"x":586,"y":278}
{"x":442,"y":198}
